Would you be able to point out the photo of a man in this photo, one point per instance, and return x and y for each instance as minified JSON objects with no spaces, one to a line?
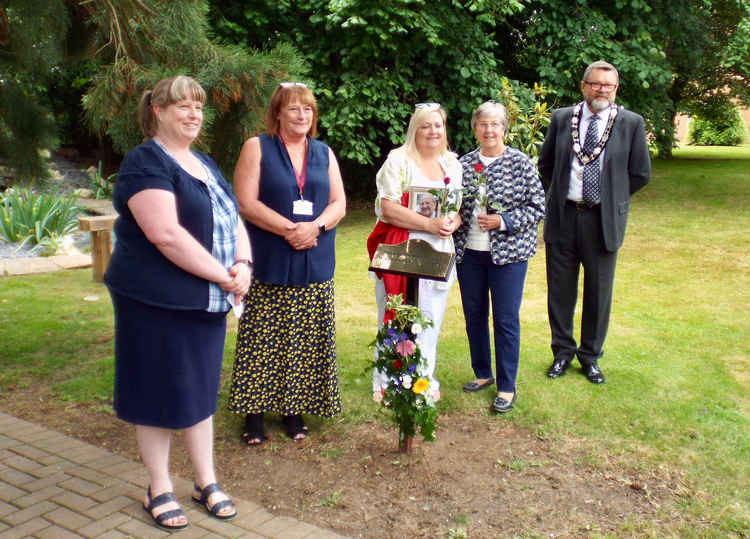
{"x":428,"y":205}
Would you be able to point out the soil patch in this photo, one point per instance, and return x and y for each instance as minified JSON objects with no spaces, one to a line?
{"x":483,"y":477}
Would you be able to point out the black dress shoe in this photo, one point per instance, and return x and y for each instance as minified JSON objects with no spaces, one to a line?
{"x":558,"y":368}
{"x":502,"y":405}
{"x":593,"y":373}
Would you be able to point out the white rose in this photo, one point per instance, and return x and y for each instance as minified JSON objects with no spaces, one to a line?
{"x":416,"y":328}
{"x":406,"y":381}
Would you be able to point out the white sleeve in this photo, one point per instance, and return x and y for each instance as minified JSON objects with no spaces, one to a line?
{"x":391,"y":180}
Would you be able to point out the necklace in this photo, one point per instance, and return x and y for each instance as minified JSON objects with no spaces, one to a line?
{"x":575,"y":121}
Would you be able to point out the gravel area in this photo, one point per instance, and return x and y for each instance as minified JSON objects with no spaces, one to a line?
{"x":66,"y":177}
{"x":80,"y":242}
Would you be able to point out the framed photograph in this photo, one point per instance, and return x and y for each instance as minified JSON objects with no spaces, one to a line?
{"x":424,"y":202}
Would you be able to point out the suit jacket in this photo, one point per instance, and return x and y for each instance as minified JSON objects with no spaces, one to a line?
{"x":626,"y":168}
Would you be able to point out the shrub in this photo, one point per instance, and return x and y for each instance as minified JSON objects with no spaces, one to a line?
{"x":727,"y":131}
{"x":28,"y":217}
{"x":101,"y":186}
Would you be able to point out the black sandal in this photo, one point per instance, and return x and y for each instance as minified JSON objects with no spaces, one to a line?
{"x":218,"y":506}
{"x":294,"y":427}
{"x":159,"y":519}
{"x":254,"y":434}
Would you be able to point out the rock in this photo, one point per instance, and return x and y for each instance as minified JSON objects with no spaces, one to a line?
{"x":56,"y":175}
{"x":82,"y":192}
{"x":92,"y":171}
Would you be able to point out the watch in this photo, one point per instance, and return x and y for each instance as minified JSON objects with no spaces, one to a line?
{"x":321,"y":227}
{"x":249,"y":263}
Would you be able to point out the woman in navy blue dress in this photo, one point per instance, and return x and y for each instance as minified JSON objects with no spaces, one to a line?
{"x":181,"y":251}
{"x":290,"y":191}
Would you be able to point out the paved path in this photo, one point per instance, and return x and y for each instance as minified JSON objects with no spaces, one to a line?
{"x":46,"y":264}
{"x":54,"y":486}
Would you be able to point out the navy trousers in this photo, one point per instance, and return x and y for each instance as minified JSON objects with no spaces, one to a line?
{"x":480,"y":280}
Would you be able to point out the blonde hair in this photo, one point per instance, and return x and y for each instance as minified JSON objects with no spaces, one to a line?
{"x":418,"y":117}
{"x":283,"y":95}
{"x":164,"y":93}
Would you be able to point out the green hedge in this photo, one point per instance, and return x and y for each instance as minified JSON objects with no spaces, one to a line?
{"x":728,"y":131}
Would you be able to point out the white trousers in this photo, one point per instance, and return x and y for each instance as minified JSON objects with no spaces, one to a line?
{"x":432,"y":303}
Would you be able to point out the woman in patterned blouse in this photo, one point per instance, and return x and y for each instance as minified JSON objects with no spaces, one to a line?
{"x":502,"y":206}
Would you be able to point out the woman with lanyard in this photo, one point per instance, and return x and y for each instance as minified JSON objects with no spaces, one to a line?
{"x":289,"y":190}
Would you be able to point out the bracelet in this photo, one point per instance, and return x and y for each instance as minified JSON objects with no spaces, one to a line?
{"x":249,"y":263}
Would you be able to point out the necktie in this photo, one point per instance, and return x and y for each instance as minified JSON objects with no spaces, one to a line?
{"x":591,"y":169}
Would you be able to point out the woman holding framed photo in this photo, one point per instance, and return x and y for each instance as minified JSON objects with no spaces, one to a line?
{"x":420,"y":170}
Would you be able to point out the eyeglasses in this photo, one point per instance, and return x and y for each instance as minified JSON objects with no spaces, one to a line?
{"x":487,"y":125}
{"x":292,"y":84}
{"x":427,"y":106}
{"x":600,"y":86}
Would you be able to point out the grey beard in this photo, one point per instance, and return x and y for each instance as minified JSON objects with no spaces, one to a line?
{"x":598,"y":104}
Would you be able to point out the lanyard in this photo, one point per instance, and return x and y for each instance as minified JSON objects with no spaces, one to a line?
{"x":302,"y":174}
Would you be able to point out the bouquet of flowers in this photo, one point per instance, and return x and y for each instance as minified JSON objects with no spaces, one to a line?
{"x":449,"y":200}
{"x":399,"y":358}
{"x":480,"y":186}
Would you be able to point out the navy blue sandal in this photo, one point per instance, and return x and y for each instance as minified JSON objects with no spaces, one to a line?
{"x":161,"y":518}
{"x":218,"y":506}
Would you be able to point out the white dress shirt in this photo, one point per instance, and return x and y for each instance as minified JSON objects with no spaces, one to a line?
{"x":575,"y":188}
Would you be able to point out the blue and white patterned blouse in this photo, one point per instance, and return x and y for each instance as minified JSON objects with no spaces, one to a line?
{"x":513,"y":183}
{"x":224,"y":212}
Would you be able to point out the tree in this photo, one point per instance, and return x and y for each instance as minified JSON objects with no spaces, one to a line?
{"x":672,"y":56}
{"x":151,"y":40}
{"x":134,"y":43}
{"x":371,"y":61}
{"x":31,"y":38}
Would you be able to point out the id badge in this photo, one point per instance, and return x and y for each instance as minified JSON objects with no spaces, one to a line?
{"x":302,"y":207}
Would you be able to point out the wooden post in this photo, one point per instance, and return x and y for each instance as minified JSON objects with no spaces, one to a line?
{"x":101,"y":244}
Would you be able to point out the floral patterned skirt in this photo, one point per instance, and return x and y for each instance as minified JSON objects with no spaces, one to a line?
{"x":285,"y":360}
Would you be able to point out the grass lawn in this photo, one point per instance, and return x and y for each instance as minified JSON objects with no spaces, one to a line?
{"x":676,"y":359}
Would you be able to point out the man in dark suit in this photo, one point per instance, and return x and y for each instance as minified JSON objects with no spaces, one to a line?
{"x":594,"y":157}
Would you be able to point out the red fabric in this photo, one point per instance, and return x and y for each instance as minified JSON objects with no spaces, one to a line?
{"x":389,"y":234}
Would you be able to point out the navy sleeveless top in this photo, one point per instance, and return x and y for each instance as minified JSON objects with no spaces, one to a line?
{"x":275,"y":262}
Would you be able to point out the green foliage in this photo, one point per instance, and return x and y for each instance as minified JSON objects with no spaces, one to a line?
{"x":332,"y":501}
{"x":31,"y":39}
{"x":528,"y":115}
{"x":371,"y":61}
{"x":27,"y":217}
{"x":66,"y":86}
{"x":727,"y":131}
{"x":102,"y":186}
{"x":149,"y":41}
{"x":407,"y":394}
{"x":668,"y":53}
{"x":558,"y":40}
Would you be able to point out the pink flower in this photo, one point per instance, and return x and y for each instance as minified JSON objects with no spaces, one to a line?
{"x":405,"y":348}
{"x":479,"y":167}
